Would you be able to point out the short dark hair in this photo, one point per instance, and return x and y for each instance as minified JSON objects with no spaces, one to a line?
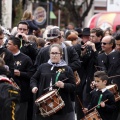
{"x":3,"y":70}
{"x":1,"y":31}
{"x":16,"y":41}
{"x":98,"y":31}
{"x":101,"y":74}
{"x":117,"y":36}
{"x":24,"y":23}
{"x":113,"y":42}
{"x":117,"y":27}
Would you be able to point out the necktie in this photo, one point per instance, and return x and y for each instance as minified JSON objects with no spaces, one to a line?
{"x":99,"y":101}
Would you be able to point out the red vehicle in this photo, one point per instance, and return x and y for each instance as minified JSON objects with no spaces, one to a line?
{"x":105,"y":20}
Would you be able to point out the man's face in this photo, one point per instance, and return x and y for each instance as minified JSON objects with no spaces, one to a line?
{"x":55,"y":41}
{"x":22,"y":28}
{"x":106,"y":45}
{"x":70,"y":27}
{"x":85,"y":38}
{"x":1,"y":39}
{"x":99,"y":83}
{"x":10,"y":46}
{"x":117,"y":42}
{"x":94,"y":38}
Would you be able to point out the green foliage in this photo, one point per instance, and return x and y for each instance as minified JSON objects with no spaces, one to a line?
{"x":19,"y":12}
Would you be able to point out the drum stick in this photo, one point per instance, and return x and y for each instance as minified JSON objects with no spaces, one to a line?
{"x":15,"y":83}
{"x":54,"y":84}
{"x":96,"y":106}
{"x":114,"y":76}
{"x":80,"y":101}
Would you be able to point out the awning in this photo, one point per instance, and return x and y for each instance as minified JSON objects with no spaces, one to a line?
{"x":104,"y":20}
{"x":52,"y":15}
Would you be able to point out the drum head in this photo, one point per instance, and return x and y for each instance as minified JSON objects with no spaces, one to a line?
{"x":43,"y":97}
{"x":110,"y":86}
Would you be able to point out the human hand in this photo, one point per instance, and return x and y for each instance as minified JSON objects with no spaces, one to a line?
{"x":16,"y":72}
{"x":92,"y":85}
{"x":59,"y":84}
{"x":102,"y":104}
{"x":34,"y":90}
{"x":89,"y":43}
{"x":85,"y":110}
{"x":23,"y":36}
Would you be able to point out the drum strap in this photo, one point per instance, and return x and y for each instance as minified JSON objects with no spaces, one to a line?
{"x":56,"y":79}
{"x":58,"y":74}
{"x":99,"y":101}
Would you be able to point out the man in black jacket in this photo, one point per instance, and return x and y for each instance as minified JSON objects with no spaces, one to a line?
{"x":109,"y":62}
{"x":22,"y":74}
{"x":69,"y":53}
{"x":26,"y":47}
{"x":6,"y":55}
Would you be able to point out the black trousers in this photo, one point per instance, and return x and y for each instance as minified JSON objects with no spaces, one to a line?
{"x":22,"y":112}
{"x":68,"y":116}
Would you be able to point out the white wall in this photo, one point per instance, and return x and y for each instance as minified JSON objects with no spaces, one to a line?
{"x":113,"y":5}
{"x":7,"y":13}
{"x":90,"y":14}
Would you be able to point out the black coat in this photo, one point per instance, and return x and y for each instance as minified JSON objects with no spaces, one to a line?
{"x":105,"y":62}
{"x":107,"y":111}
{"x":73,"y":58}
{"x":32,"y":26}
{"x":42,"y":79}
{"x":9,"y":60}
{"x":114,"y":69}
{"x":24,"y":64}
{"x":30,"y":49}
{"x":89,"y":61}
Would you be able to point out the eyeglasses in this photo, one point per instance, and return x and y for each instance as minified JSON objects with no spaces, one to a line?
{"x":52,"y":35}
{"x":104,"y":43}
{"x":53,"y":40}
{"x":55,"y":53}
{"x":22,"y":29}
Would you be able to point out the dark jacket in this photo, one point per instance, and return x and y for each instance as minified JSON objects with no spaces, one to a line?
{"x":24,"y":64}
{"x":32,"y":26}
{"x":105,"y":62}
{"x":30,"y":49}
{"x":9,"y":60}
{"x":107,"y":111}
{"x":73,"y":58}
{"x":42,"y":79}
{"x":89,"y":61}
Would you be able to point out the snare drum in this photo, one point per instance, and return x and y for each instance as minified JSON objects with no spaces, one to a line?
{"x":50,"y":103}
{"x":10,"y":81}
{"x":114,"y":89}
{"x":92,"y":116}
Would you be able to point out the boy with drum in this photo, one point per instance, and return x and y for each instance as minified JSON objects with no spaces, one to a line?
{"x":101,"y":98}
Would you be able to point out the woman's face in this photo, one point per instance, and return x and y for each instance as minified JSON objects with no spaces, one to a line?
{"x":55,"y":55}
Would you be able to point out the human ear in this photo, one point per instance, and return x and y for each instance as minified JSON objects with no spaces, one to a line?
{"x":105,"y":82}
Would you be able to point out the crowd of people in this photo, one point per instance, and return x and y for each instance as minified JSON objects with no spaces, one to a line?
{"x":42,"y":62}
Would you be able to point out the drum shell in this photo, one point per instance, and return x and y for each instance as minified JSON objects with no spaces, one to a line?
{"x":92,"y":116}
{"x":114,"y":89}
{"x":51,"y":104}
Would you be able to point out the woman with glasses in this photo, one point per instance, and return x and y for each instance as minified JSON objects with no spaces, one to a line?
{"x":55,"y":74}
